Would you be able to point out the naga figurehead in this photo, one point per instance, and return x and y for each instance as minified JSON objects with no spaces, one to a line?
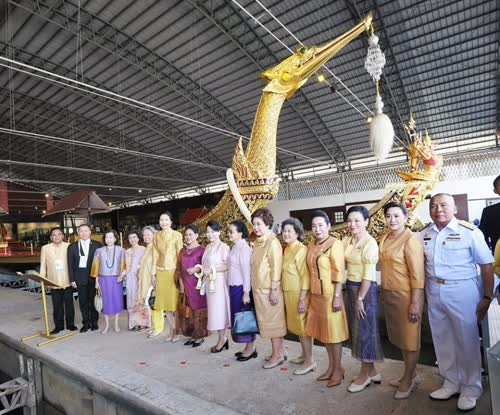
{"x":289,"y":75}
{"x":252,"y":180}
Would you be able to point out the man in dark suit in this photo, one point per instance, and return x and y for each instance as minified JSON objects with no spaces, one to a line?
{"x":80,"y":256}
{"x":490,"y":219}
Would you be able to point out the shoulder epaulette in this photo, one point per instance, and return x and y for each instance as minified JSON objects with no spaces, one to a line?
{"x":466,"y":224}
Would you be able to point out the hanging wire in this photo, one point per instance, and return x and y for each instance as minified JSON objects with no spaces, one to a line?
{"x":81,"y":86}
{"x":337,"y":78}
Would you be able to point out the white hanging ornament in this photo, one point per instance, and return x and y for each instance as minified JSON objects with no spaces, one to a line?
{"x":381,"y":129}
{"x":375,"y":59}
{"x":381,"y":132}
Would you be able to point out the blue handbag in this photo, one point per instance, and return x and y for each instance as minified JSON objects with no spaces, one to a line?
{"x":245,"y":323}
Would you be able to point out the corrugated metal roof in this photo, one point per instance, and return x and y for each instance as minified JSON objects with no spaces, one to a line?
{"x":201,"y":60}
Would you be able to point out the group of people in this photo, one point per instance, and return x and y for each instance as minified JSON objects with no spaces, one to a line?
{"x":297,"y":289}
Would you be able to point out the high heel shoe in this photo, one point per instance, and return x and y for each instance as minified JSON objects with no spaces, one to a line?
{"x":197,"y":343}
{"x":335,"y":382}
{"x":243,"y":358}
{"x":324,"y":376}
{"x":224,"y":346}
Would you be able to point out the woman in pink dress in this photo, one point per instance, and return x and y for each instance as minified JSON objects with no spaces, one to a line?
{"x":138,"y":315}
{"x":214,"y":263}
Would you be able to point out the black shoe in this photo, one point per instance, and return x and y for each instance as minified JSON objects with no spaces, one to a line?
{"x":238,"y":354}
{"x":224,"y":346}
{"x":72,"y":328}
{"x":189,"y":342}
{"x":84,"y":329}
{"x":94,"y":327}
{"x":198,"y":343}
{"x":56,"y":330}
{"x":242,"y":358}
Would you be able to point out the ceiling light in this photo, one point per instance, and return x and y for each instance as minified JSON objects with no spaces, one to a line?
{"x":369,"y":120}
{"x":321,"y":77}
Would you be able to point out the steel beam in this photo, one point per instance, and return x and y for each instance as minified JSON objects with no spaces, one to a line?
{"x":217,"y":12}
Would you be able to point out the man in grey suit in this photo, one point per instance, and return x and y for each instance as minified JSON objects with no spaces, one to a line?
{"x":80,"y":257}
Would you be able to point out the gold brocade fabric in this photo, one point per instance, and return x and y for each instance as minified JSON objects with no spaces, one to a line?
{"x":361,"y":258}
{"x":166,"y":248}
{"x":266,"y":267}
{"x":402,"y":269}
{"x":325,"y":263}
{"x":266,"y":261}
{"x":294,"y":279}
{"x":54,"y":263}
{"x":402,"y":262}
{"x":145,"y":272}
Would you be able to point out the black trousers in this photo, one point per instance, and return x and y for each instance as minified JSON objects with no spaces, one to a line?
{"x":86,"y":294}
{"x":62,"y":305}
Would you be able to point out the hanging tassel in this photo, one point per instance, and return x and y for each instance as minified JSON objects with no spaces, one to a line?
{"x":381,"y":132}
{"x":381,"y":129}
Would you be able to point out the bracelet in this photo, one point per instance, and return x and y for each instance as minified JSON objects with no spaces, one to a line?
{"x":301,"y":300}
{"x":487,"y":297}
{"x":361,"y":298}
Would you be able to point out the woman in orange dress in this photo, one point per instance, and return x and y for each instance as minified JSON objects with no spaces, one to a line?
{"x":326,"y":316}
{"x":402,"y":269}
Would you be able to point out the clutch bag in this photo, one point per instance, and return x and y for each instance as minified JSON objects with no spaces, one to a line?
{"x":98,"y":300}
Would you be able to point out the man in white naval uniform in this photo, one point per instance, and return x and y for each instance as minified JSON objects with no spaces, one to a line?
{"x":457,"y":299}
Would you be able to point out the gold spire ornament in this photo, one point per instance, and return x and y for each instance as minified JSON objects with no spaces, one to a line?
{"x":381,"y":129}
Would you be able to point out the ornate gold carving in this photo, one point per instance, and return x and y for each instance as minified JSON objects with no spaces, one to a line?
{"x":255,"y":170}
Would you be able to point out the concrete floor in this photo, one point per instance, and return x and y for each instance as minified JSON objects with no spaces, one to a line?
{"x":185,"y":380}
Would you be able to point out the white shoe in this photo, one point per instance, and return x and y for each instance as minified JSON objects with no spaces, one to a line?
{"x":310,"y":368}
{"x":442,"y":394}
{"x":465,"y":403}
{"x":298,"y":360}
{"x":353,"y":388}
{"x":395,"y":382}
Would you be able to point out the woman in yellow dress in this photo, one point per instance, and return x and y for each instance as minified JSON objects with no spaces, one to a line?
{"x":266,"y":288}
{"x":326,"y":316}
{"x":166,"y":247}
{"x":295,"y":282}
{"x":361,"y":257}
{"x":146,"y":270}
{"x":402,"y":269}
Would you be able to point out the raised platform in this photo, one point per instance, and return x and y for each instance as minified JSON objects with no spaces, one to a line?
{"x":124,"y":372}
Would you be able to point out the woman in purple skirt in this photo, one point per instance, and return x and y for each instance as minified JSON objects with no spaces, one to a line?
{"x":107,"y":268}
{"x":239,"y":284}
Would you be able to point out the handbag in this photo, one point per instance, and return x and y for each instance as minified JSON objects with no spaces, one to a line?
{"x":245,"y":323}
{"x":183,"y":307}
{"x":151,"y":298}
{"x":98,"y":300}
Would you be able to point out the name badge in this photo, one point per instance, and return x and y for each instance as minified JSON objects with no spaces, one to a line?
{"x":59,"y":265}
{"x":83,"y":262}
